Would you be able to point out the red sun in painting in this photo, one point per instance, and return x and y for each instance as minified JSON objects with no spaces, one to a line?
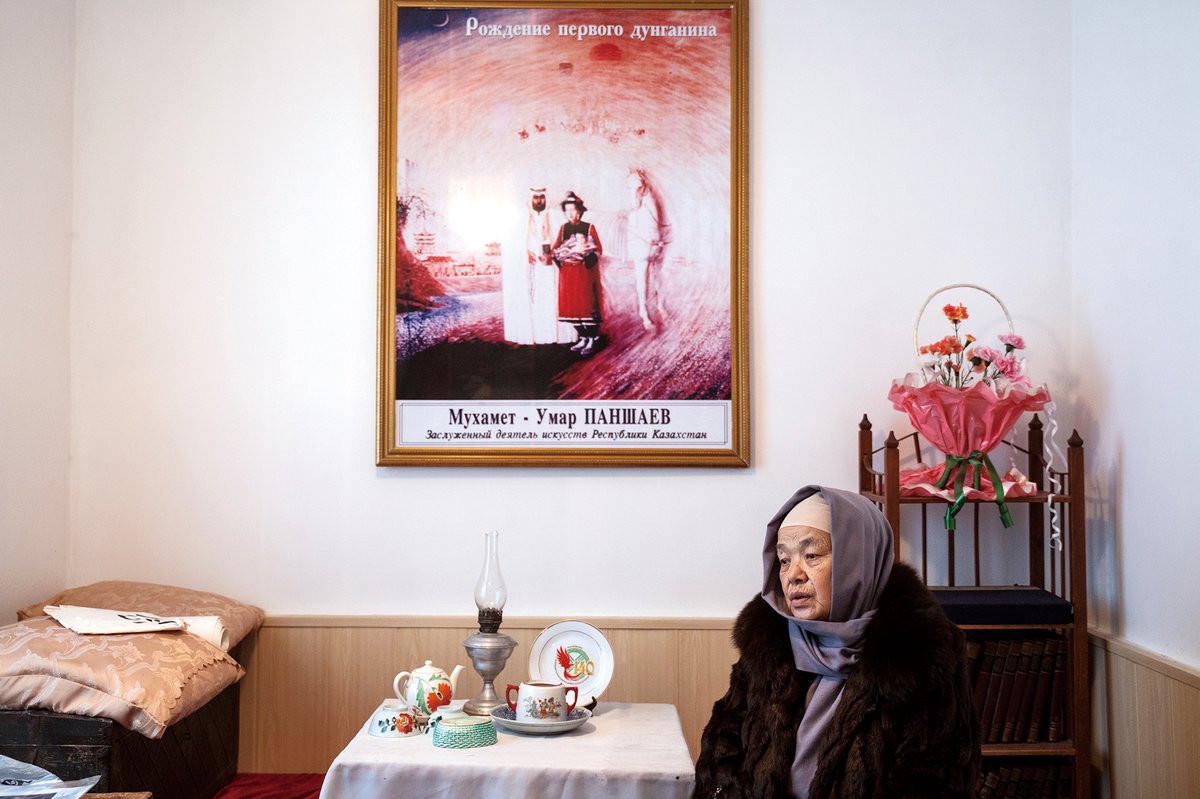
{"x":606,"y":51}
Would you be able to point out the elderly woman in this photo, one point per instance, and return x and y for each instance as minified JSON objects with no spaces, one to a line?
{"x":851,"y":681}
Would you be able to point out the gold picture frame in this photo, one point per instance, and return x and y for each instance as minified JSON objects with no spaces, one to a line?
{"x":563,"y":256}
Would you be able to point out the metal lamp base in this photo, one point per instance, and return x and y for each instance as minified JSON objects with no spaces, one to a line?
{"x":488,"y":652}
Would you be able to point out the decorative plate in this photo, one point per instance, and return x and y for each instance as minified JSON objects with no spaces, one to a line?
{"x":573,"y":653}
{"x":504,"y":717}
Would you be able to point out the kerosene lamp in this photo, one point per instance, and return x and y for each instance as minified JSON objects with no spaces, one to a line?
{"x":489,"y":649}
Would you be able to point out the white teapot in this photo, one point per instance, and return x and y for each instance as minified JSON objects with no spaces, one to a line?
{"x":426,"y":689}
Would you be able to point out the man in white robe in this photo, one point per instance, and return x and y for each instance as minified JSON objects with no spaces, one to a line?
{"x":542,"y":276}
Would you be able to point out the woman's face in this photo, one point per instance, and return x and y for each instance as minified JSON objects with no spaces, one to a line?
{"x":806,"y":571}
{"x":572,"y":212}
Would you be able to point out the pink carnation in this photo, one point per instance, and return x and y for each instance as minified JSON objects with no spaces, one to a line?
{"x":1012,"y":341}
{"x":1011,"y":368}
{"x":986,"y":354}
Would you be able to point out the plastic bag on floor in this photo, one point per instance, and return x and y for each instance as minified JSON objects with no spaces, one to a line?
{"x":19,"y":780}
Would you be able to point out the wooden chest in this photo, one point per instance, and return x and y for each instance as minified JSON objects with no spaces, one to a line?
{"x":193,"y":760}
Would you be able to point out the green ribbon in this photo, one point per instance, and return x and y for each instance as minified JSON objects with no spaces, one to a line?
{"x":957,"y":467}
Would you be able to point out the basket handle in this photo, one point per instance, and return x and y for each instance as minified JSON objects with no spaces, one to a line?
{"x":924,"y":305}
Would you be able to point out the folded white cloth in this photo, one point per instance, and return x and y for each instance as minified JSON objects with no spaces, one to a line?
{"x":103,"y":621}
{"x":210,"y":628}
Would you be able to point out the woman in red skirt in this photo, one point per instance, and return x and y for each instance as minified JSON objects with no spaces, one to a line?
{"x":577,"y":251}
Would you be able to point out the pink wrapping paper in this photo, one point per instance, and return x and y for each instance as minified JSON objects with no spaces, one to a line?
{"x":922,"y":482}
{"x":959,"y":421}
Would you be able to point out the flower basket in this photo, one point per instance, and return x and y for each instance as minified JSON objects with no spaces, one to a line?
{"x":964,"y":401}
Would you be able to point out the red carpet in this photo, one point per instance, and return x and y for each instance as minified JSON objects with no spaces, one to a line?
{"x":273,"y":786}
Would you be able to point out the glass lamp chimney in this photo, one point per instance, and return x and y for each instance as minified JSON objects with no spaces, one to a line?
{"x":490,"y":590}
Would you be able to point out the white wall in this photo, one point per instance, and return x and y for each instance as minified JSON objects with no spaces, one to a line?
{"x":36,"y":74}
{"x":224,"y":287}
{"x":1136,"y":253}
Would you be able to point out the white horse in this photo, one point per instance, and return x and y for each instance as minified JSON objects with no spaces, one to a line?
{"x":649,"y":233}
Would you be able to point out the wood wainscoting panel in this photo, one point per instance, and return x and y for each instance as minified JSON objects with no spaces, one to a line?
{"x":1147,"y":713}
{"x":706,"y":657}
{"x":311,"y":681}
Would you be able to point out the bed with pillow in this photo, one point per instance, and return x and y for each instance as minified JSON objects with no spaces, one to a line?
{"x":147,"y":711}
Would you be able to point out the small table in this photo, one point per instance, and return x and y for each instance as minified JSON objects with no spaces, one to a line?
{"x":624,"y":750}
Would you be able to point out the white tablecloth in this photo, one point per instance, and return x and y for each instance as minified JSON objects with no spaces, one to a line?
{"x":624,"y":750}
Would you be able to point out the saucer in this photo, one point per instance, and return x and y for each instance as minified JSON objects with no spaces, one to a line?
{"x":506,"y":718}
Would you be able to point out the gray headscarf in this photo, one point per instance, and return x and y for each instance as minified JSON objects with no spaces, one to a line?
{"x":862,"y":562}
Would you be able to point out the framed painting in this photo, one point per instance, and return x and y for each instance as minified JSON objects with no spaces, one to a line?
{"x":563,"y":256}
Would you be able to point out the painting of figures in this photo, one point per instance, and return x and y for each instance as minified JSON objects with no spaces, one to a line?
{"x":562,"y":242}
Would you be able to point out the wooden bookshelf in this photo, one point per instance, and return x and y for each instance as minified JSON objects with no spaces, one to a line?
{"x":1056,"y":584}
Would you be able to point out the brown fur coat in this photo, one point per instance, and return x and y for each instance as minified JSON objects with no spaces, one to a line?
{"x":905,"y":728}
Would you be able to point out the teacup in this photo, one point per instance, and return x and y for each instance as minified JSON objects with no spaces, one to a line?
{"x":394,"y":720}
{"x":541,"y":701}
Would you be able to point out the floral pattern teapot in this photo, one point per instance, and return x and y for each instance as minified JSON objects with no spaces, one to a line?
{"x":426,"y":689}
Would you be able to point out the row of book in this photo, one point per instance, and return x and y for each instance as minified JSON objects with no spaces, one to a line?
{"x":1020,"y":687}
{"x":1025,"y":782}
